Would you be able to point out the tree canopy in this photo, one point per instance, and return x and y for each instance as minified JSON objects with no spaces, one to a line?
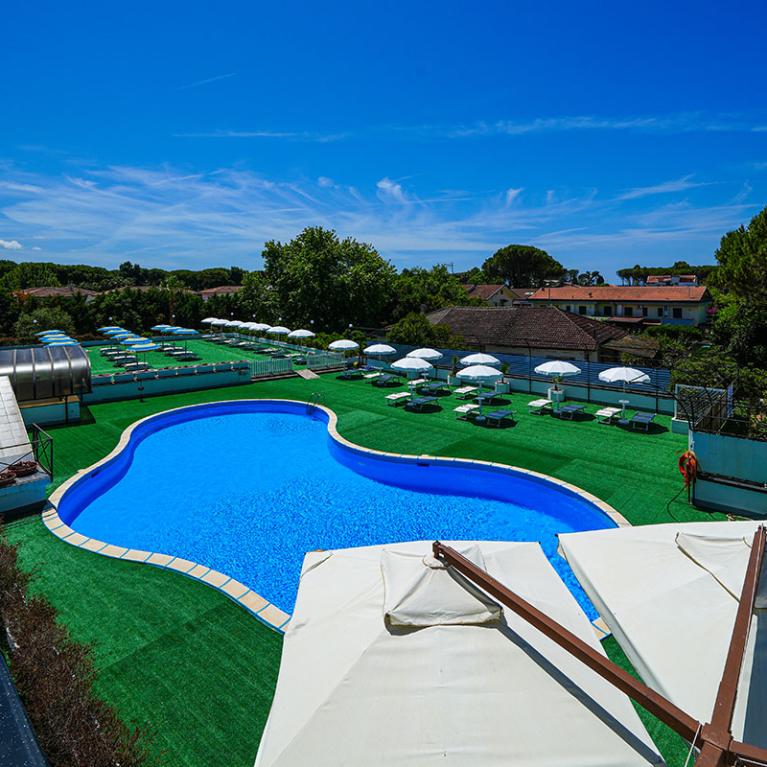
{"x":522,"y":266}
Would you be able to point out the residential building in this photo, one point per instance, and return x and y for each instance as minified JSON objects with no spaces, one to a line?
{"x":542,"y":331}
{"x":495,"y":295}
{"x":674,"y":304}
{"x":655,"y":280}
{"x":221,"y":290}
{"x":58,"y":292}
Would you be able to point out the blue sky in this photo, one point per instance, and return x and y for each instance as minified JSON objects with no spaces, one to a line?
{"x":185,"y":135}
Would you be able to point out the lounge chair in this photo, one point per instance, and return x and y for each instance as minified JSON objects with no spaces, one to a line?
{"x":398,"y":398}
{"x":433,"y":386}
{"x":539,"y":406}
{"x":370,"y":376}
{"x":607,"y":414}
{"x":385,"y":380}
{"x":466,"y":412}
{"x":642,"y":419}
{"x":348,"y":375}
{"x":419,"y":403}
{"x":465,"y":392}
{"x":570,"y":411}
{"x":497,"y":417}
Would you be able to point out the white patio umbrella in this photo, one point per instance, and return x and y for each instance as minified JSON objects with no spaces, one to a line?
{"x":260,"y":326}
{"x":210,"y":321}
{"x":669,"y":593}
{"x":301,"y":333}
{"x":480,"y":359}
{"x":234,"y":324}
{"x":430,"y":355}
{"x":480,"y":374}
{"x":343,"y":345}
{"x":412,"y":365}
{"x":624,"y":376}
{"x":557,"y":369}
{"x":463,"y":688}
{"x":379,"y":350}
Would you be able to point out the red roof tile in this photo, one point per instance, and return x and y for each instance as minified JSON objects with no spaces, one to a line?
{"x":629,"y":294}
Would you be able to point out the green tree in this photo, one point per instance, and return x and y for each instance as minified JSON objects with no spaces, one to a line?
{"x":317,"y":276}
{"x":427,"y":289}
{"x":30,"y":275}
{"x":416,"y":330}
{"x":44,"y":318}
{"x":257,"y":300}
{"x":522,"y":266}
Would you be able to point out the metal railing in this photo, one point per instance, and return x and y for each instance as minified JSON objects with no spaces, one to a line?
{"x":39,"y":449}
{"x":325,"y":360}
{"x":264,"y":368}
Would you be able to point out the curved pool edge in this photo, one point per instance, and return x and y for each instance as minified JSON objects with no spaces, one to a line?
{"x":265,"y":611}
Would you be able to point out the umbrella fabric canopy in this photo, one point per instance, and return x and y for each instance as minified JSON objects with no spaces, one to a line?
{"x":120,"y":334}
{"x":183,"y":332}
{"x":279,"y":330}
{"x":161,"y":327}
{"x":107,"y":328}
{"x":68,"y":342}
{"x":380,"y":350}
{"x":480,"y":374}
{"x":130,"y":341}
{"x":233,"y":324}
{"x":557,"y":369}
{"x":145,"y":347}
{"x":343,"y":345}
{"x":430,"y":355}
{"x":476,"y":694}
{"x":48,"y":332}
{"x":480,"y":359}
{"x":54,"y":337}
{"x":301,"y":333}
{"x":219,"y":322}
{"x":412,"y":365}
{"x":261,"y":326}
{"x":210,"y":321}
{"x":624,"y":376}
{"x":666,"y":592}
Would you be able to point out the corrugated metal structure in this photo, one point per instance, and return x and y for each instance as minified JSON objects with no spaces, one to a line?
{"x":45,"y":372}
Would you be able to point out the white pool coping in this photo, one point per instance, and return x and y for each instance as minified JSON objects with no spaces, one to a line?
{"x":253,"y":602}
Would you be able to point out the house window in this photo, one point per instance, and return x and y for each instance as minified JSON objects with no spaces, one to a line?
{"x":628,"y":311}
{"x":677,"y":312}
{"x":607,"y":311}
{"x":644,"y":311}
{"x":581,"y":310}
{"x":660,"y":311}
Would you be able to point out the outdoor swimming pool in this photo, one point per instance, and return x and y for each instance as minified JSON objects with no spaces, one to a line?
{"x":249,"y":487}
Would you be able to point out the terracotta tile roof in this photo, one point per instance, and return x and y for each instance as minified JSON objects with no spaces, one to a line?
{"x":482,"y":290}
{"x":539,"y":326}
{"x":220,"y":290}
{"x":57,"y":292}
{"x":628,"y":294}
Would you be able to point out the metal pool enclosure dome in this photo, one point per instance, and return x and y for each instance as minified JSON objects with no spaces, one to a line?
{"x":44,"y":372}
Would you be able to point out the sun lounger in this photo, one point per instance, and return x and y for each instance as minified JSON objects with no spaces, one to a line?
{"x":385,"y":380}
{"x":433,"y":386}
{"x":606,"y":414}
{"x":539,"y":406}
{"x":370,"y":376}
{"x":419,"y":403}
{"x":465,"y":392}
{"x":570,"y":411}
{"x":497,"y":417}
{"x":466,"y":412}
{"x":418,"y":381}
{"x":398,"y":398}
{"x":642,"y":419}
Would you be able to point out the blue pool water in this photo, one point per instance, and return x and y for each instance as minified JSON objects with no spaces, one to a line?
{"x":248,"y":488}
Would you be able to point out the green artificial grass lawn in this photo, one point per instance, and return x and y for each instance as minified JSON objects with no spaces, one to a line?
{"x":206,"y":350}
{"x":179,"y":657}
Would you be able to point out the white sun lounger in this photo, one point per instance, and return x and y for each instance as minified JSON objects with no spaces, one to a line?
{"x":539,"y":406}
{"x":606,"y":414}
{"x":464,"y":392}
{"x":465,"y":411}
{"x":418,"y":381}
{"x":371,"y":375}
{"x":398,"y":397}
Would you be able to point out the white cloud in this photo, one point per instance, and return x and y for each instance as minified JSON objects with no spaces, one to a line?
{"x":666,"y":187}
{"x":391,"y":190}
{"x":512,"y":194}
{"x":207,"y":80}
{"x":325,"y":182}
{"x":10,"y":245}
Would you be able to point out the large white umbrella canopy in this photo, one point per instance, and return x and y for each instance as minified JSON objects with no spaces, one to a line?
{"x":260,"y":326}
{"x":210,"y":321}
{"x":412,"y":365}
{"x":234,"y":324}
{"x":343,"y":345}
{"x":279,"y":330}
{"x":430,"y":355}
{"x":624,"y":376}
{"x":219,"y":322}
{"x":557,"y":369}
{"x":669,"y":593}
{"x":480,"y":359}
{"x":380,"y":350}
{"x":480,"y":374}
{"x":473,"y":685}
{"x":301,"y":333}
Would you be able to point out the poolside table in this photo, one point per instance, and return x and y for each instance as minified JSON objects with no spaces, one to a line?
{"x":623,"y":421}
{"x":419,"y":403}
{"x":497,"y":417}
{"x":570,"y":411}
{"x":642,"y":419}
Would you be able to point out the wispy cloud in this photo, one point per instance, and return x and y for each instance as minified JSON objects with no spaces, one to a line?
{"x":665,"y":187}
{"x":310,"y":136}
{"x":206,"y":81}
{"x":10,"y":245}
{"x":171,"y":217}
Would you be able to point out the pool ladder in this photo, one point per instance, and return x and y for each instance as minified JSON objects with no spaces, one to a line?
{"x":317,"y":398}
